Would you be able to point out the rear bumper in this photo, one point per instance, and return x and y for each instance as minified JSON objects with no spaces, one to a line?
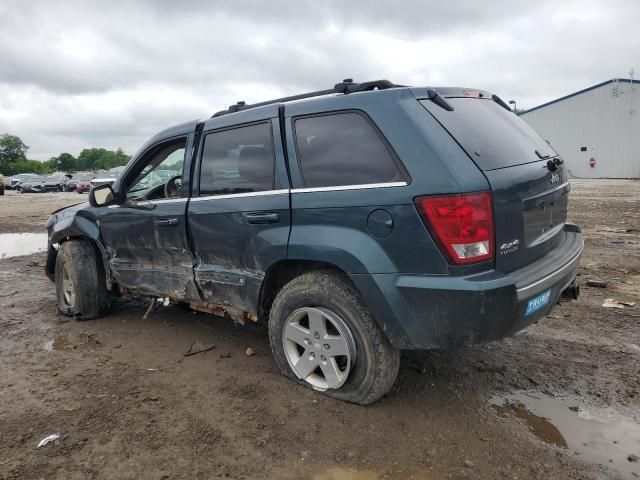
{"x":426,"y":312}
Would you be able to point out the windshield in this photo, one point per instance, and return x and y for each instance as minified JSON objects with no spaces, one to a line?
{"x":491,"y":135}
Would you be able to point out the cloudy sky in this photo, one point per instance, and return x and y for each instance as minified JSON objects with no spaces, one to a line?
{"x":109,"y":74}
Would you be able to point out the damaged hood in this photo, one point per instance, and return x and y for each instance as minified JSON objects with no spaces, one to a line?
{"x":71,"y":208}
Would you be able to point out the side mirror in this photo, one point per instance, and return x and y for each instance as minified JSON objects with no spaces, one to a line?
{"x":102,"y":195}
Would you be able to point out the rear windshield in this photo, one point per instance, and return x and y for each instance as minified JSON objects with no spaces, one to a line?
{"x":492,"y":136}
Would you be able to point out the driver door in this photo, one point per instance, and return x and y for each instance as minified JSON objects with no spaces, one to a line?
{"x":146,"y":236}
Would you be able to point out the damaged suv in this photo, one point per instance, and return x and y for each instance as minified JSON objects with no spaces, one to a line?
{"x":357,"y":221}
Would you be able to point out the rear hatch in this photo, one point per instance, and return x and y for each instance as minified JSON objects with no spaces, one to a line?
{"x":527,"y":177}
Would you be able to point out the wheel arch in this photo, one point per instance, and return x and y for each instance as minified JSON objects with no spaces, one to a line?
{"x":101,"y":254}
{"x":285,"y":270}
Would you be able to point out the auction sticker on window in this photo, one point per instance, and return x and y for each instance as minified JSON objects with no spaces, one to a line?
{"x":537,"y":302}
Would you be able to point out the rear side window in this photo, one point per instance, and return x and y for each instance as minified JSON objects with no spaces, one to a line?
{"x":492,"y":136}
{"x":342,"y":149}
{"x":238,"y":160}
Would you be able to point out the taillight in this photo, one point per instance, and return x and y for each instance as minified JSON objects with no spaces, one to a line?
{"x":461,"y":224}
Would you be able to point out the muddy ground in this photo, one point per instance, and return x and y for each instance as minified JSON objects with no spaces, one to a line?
{"x":128,"y":404}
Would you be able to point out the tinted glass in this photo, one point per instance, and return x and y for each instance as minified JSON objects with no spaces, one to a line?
{"x":237,"y":161}
{"x":492,"y":136}
{"x":342,"y":149}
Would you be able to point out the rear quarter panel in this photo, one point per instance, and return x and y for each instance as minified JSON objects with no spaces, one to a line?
{"x":332,"y":226}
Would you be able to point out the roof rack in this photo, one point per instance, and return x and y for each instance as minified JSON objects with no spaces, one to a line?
{"x":345,"y":87}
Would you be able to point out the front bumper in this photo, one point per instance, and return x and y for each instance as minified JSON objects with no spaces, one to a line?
{"x":428,"y":311}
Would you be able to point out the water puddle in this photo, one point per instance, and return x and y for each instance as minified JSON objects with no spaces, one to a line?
{"x":341,"y":473}
{"x":348,"y":473}
{"x":58,"y":344}
{"x":601,"y":436}
{"x":16,"y":244}
{"x":83,"y":341}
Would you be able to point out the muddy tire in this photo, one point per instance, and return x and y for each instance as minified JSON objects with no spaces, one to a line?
{"x":323,"y":336}
{"x":80,"y":282}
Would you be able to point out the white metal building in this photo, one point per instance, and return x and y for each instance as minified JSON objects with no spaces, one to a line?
{"x":595,"y":130}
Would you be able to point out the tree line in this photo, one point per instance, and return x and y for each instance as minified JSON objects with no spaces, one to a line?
{"x":13,"y":159}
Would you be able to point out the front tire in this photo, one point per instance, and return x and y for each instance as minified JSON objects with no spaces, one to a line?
{"x":323,"y":336}
{"x":80,"y":282}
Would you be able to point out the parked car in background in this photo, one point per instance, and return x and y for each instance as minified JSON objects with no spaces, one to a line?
{"x":54,"y":183}
{"x":72,"y":183}
{"x":31,"y":184}
{"x":104,"y":178}
{"x":6,"y":183}
{"x":355,"y":222}
{"x":166,"y":175}
{"x":17,"y":179}
{"x":2,"y":180}
{"x":84,"y":185}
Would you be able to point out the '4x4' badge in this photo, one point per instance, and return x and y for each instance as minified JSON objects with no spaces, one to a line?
{"x":509,"y":247}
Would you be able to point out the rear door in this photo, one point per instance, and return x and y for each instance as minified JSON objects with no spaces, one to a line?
{"x":527,"y":177}
{"x":239,"y":213}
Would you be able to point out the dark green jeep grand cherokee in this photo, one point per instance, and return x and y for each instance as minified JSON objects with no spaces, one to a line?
{"x":357,"y":221}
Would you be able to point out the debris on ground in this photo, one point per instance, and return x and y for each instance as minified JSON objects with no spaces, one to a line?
{"x":249,"y":352}
{"x":48,"y":439}
{"x":150,"y":309}
{"x":592,"y":282}
{"x":164,"y":301}
{"x":199,"y":347}
{"x":469,"y":464}
{"x":616,"y":230}
{"x":633,"y":458}
{"x":611,"y":303}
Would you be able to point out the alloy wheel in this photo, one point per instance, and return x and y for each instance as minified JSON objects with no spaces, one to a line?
{"x":319,"y":347}
{"x":68,"y":291}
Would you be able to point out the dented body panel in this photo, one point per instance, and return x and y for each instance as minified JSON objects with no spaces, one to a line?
{"x":219,"y":252}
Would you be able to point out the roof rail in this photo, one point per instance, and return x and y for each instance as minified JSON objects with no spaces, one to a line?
{"x":345,"y":87}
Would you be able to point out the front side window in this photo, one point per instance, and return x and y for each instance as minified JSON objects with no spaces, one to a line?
{"x":238,"y":160}
{"x":162,"y":165}
{"x":342,"y":149}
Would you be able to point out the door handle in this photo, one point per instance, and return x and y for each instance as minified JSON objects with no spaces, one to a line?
{"x":262,"y":218}
{"x":165,"y":222}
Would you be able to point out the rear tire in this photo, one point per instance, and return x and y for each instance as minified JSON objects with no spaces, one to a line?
{"x":369,"y":366}
{"x":80,"y":281}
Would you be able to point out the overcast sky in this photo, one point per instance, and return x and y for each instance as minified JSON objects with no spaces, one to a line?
{"x":75,"y":75}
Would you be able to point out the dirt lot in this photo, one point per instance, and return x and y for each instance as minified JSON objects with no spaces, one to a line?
{"x":128,"y":404}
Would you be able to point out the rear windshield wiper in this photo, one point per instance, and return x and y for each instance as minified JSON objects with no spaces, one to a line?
{"x":438,"y":99}
{"x":541,"y":156}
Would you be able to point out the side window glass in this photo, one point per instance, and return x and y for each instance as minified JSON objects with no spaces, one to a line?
{"x":237,"y":160}
{"x":342,"y":149}
{"x":164,"y":164}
